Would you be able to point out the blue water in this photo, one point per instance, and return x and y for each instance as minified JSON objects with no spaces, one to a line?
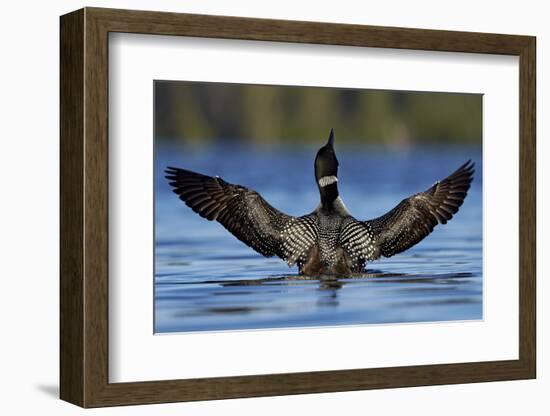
{"x":206,"y":280}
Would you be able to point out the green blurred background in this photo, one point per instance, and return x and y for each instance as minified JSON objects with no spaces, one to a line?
{"x":264,"y":114}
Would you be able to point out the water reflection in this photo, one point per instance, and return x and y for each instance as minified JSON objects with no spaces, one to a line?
{"x":326,"y":282}
{"x":402,"y":291}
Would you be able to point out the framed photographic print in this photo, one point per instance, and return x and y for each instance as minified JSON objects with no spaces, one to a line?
{"x":255,"y":207}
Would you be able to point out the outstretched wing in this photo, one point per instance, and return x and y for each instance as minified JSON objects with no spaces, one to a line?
{"x":412,"y":219}
{"x":245,"y":214}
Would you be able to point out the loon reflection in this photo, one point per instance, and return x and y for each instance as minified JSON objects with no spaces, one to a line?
{"x":330,"y":285}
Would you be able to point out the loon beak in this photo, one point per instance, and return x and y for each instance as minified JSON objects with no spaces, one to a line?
{"x":331,"y":139}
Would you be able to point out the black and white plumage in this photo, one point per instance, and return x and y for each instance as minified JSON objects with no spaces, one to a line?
{"x":329,"y":240}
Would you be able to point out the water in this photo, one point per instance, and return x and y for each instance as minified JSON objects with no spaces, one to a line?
{"x":207,"y":280}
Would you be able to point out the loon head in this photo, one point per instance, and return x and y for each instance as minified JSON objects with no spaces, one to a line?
{"x":326,"y":164}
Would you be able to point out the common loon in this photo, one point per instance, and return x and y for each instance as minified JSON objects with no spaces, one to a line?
{"x":328,"y":241}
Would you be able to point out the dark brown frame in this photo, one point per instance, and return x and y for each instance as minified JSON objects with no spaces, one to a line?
{"x":84,"y":208}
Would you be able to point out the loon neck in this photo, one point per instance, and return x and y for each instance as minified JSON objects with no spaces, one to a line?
{"x":329,"y":194}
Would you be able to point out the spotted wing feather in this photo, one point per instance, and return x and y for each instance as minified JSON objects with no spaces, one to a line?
{"x":297,"y":238}
{"x":415,"y":217}
{"x":408,"y":223}
{"x":357,"y":239}
{"x":245,"y":214}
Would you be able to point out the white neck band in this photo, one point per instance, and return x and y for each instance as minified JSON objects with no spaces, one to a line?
{"x":327,"y":180}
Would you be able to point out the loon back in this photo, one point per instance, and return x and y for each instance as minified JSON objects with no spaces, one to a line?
{"x":328,"y":240}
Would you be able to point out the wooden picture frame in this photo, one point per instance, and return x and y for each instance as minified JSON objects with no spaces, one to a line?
{"x":84,"y":207}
